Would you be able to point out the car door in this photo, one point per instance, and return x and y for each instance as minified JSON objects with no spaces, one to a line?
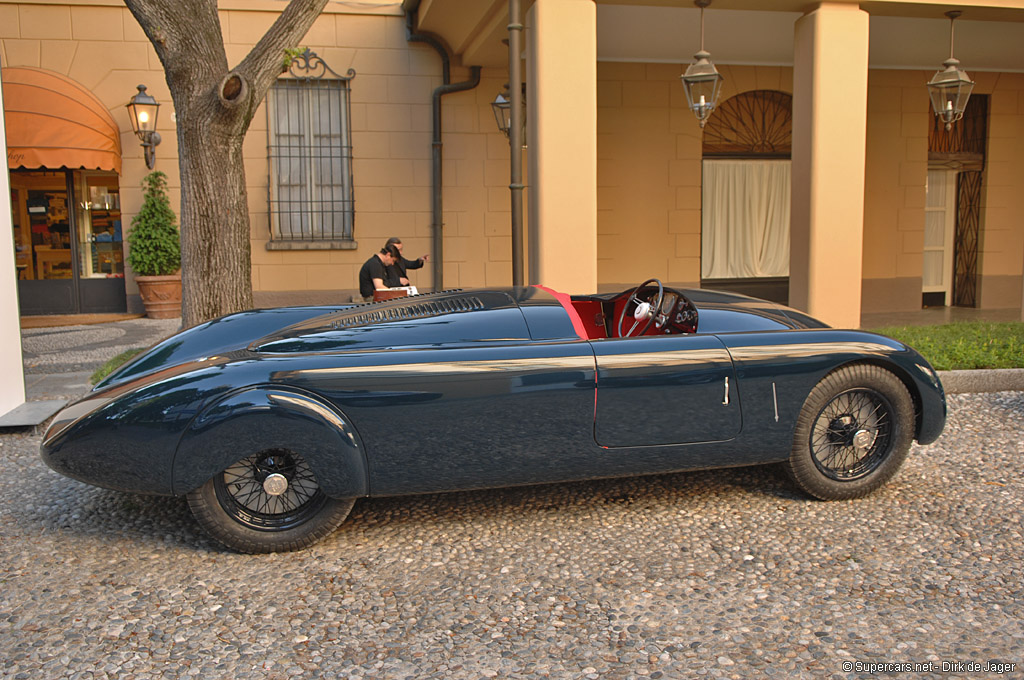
{"x":461,"y":417}
{"x":667,"y":389}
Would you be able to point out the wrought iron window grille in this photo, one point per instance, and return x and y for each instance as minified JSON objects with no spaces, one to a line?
{"x":309,"y":153}
{"x":965,"y":240}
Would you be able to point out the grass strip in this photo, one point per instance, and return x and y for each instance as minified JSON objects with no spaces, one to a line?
{"x":964,"y":345}
{"x":112,"y":364}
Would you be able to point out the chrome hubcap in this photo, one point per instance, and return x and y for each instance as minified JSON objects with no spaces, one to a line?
{"x":863,"y":440}
{"x":275,"y":484}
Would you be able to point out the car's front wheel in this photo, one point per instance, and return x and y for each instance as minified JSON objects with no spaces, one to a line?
{"x":853,"y":433}
{"x":268,"y":502}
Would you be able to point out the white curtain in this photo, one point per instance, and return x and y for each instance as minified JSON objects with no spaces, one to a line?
{"x":745,"y":219}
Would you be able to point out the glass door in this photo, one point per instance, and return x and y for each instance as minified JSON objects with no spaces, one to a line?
{"x":101,"y":253}
{"x":99,"y":238}
{"x":68,"y":248}
{"x":939,"y":223}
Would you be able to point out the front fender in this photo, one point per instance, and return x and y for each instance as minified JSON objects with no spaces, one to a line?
{"x":272,"y":417}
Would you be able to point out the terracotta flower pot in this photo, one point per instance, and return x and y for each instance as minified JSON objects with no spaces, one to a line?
{"x":161,"y":295}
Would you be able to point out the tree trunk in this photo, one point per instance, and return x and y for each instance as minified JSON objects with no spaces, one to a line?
{"x":214,"y":107}
{"x":216,"y":269}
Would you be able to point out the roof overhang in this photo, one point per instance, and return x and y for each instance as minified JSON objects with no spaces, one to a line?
{"x":904,"y":35}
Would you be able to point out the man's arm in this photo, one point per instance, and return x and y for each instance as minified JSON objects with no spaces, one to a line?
{"x":414,"y":264}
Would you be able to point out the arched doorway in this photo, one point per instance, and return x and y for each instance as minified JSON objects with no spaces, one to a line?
{"x":746,"y":195}
{"x":64,"y":158}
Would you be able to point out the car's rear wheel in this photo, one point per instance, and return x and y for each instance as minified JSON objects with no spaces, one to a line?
{"x":268,"y":502}
{"x":853,"y":433}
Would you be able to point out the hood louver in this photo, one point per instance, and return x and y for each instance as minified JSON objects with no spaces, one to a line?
{"x":415,"y":310}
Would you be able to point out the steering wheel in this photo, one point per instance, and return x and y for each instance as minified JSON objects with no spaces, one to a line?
{"x":643,"y":310}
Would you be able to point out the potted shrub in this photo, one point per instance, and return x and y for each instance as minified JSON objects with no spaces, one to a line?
{"x":154,"y":252}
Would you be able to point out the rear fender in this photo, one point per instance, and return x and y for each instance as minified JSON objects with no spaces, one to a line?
{"x":271,"y":417}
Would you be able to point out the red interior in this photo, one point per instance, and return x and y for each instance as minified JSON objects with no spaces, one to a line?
{"x":589,"y":313}
{"x":588,"y":319}
{"x":584,"y":314}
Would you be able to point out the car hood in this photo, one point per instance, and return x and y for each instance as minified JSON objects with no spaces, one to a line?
{"x":449,"y":318}
{"x":443,"y":318}
{"x":736,"y":304}
{"x":217,"y":337}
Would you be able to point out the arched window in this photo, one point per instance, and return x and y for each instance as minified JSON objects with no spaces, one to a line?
{"x":746,"y":203}
{"x":755,"y":124}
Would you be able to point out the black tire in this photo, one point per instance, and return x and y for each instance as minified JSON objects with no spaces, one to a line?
{"x":235,"y":508}
{"x":853,"y":433}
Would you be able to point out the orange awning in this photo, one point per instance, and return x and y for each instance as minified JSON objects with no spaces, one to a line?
{"x":53,"y":122}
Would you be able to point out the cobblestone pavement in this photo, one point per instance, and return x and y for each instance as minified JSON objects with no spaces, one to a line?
{"x":62,"y":349}
{"x":720,"y":574}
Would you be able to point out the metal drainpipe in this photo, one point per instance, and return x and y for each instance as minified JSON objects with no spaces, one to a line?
{"x":515,"y":139}
{"x":437,"y":180}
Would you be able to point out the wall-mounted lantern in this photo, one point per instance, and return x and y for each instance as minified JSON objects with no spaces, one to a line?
{"x":702,"y":81}
{"x":502,"y":108}
{"x":142,"y":111}
{"x":950,"y":88}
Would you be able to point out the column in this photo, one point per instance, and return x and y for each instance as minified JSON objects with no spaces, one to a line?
{"x":830,"y":85}
{"x":561,"y":67}
{"x":12,"y":394}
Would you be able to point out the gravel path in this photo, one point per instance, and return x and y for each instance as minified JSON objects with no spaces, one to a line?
{"x":722,"y":574}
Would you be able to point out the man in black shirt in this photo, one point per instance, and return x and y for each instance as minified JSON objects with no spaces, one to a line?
{"x":396,"y":272}
{"x":374,"y":273}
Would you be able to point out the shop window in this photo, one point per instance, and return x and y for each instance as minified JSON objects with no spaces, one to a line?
{"x":310,"y":158}
{"x":41,"y":222}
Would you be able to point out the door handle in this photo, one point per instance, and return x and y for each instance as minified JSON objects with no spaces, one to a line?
{"x":725,"y":398}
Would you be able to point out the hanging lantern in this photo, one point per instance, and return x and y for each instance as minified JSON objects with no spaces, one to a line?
{"x":951,"y":87}
{"x":702,"y":81}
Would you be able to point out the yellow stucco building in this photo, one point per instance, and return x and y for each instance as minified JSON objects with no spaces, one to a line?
{"x":822,"y":178}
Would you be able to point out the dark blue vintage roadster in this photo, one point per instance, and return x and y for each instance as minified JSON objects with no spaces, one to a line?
{"x":274,"y":421}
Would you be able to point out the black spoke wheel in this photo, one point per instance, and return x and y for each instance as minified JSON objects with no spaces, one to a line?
{"x":268,"y":502}
{"x":241,"y":490}
{"x":853,"y":433}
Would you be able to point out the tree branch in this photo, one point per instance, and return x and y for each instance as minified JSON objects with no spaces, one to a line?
{"x":263,"y":63}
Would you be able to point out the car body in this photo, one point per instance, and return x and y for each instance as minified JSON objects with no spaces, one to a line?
{"x":273,"y":421}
